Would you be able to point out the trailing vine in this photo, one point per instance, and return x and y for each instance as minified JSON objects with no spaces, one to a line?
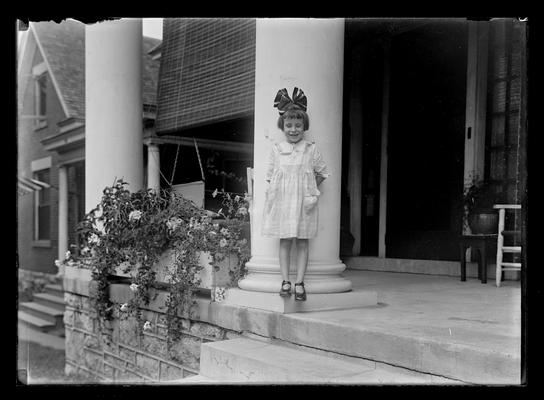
{"x":131,"y":231}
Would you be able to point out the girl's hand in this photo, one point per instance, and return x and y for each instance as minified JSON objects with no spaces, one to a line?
{"x":319,"y":179}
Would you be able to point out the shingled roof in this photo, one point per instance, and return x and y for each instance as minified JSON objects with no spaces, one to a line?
{"x":64,"y":48}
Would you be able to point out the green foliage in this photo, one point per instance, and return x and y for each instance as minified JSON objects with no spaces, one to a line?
{"x":133,"y":230}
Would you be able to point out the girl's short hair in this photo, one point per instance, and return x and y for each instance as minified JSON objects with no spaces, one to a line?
{"x":297,"y":113}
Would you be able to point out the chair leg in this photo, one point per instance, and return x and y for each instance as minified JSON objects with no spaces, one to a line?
{"x":480,"y":264}
{"x":463,"y":263}
{"x":500,"y":243}
{"x":483,"y":256}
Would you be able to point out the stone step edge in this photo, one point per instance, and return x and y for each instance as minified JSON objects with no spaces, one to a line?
{"x":34,"y":321}
{"x":42,"y":308}
{"x":195,"y":379}
{"x":376,"y":364}
{"x":51,"y":298}
{"x":55,"y":290}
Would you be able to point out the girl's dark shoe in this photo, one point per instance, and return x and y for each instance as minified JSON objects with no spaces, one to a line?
{"x":300,"y":295}
{"x":285,"y":289}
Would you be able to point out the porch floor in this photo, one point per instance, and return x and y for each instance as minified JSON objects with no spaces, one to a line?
{"x":438,"y":307}
{"x":466,"y":331}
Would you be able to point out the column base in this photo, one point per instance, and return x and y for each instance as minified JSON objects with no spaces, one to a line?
{"x":314,"y":302}
{"x":321,"y":277}
{"x":314,"y":283}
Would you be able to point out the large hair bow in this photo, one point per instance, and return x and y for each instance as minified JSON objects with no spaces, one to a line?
{"x":282,"y":100}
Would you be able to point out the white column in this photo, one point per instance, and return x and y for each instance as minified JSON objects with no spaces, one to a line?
{"x":153,"y":167}
{"x":63,"y":213}
{"x":113,"y":96}
{"x":309,"y":54}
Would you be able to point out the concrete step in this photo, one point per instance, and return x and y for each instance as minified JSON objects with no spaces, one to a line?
{"x":55,"y":290}
{"x":35,"y":322}
{"x":50,"y":300}
{"x":44,"y":312}
{"x":247,"y":360}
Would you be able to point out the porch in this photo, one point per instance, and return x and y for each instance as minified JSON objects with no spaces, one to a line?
{"x":427,"y":329}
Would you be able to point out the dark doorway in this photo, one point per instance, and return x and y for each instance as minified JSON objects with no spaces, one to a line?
{"x":425,"y":140}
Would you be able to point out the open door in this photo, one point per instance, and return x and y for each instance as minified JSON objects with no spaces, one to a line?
{"x":426,"y":141}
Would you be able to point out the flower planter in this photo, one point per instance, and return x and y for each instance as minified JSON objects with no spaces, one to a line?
{"x":77,"y":273}
{"x":210,"y":276}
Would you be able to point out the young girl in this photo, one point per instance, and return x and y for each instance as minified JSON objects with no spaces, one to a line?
{"x":295,"y":168}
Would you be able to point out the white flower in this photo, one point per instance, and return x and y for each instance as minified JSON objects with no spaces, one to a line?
{"x":214,"y":193}
{"x":223,"y":242}
{"x":147,"y":326}
{"x":225,"y":231}
{"x":124,"y":307}
{"x":173,"y":223}
{"x":216,"y":227}
{"x":58,"y":264}
{"x":242,"y":211}
{"x":85,"y":250}
{"x":236,"y":198}
{"x":135,"y":215}
{"x":94,"y":238}
{"x":67,"y":255}
{"x":133,"y":287}
{"x":219,"y":294}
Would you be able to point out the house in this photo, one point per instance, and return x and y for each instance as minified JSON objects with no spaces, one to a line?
{"x":51,"y":141}
{"x":406,"y":112}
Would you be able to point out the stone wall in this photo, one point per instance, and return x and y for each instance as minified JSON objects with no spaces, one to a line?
{"x":123,"y":352}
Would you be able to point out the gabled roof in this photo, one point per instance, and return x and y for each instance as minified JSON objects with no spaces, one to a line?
{"x":63,"y":46}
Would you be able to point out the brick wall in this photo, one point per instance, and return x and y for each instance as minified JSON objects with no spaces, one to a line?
{"x":125,"y":353}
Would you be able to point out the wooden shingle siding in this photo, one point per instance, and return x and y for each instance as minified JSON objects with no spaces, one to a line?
{"x":64,"y":47}
{"x":207,"y":72}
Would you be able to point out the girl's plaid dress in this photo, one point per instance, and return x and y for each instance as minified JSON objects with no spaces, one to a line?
{"x":290,"y":208}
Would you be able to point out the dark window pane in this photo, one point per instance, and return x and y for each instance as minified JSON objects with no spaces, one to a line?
{"x":43,"y":222}
{"x":43,"y":194}
{"x":42,"y":87}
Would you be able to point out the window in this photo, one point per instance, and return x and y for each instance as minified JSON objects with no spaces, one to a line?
{"x":42,"y":208}
{"x":40,"y":106}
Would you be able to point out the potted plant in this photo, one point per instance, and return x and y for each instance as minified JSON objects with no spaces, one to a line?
{"x":478,"y":201}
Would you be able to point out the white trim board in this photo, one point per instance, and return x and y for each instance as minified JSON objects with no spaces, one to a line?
{"x":41,"y":163}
